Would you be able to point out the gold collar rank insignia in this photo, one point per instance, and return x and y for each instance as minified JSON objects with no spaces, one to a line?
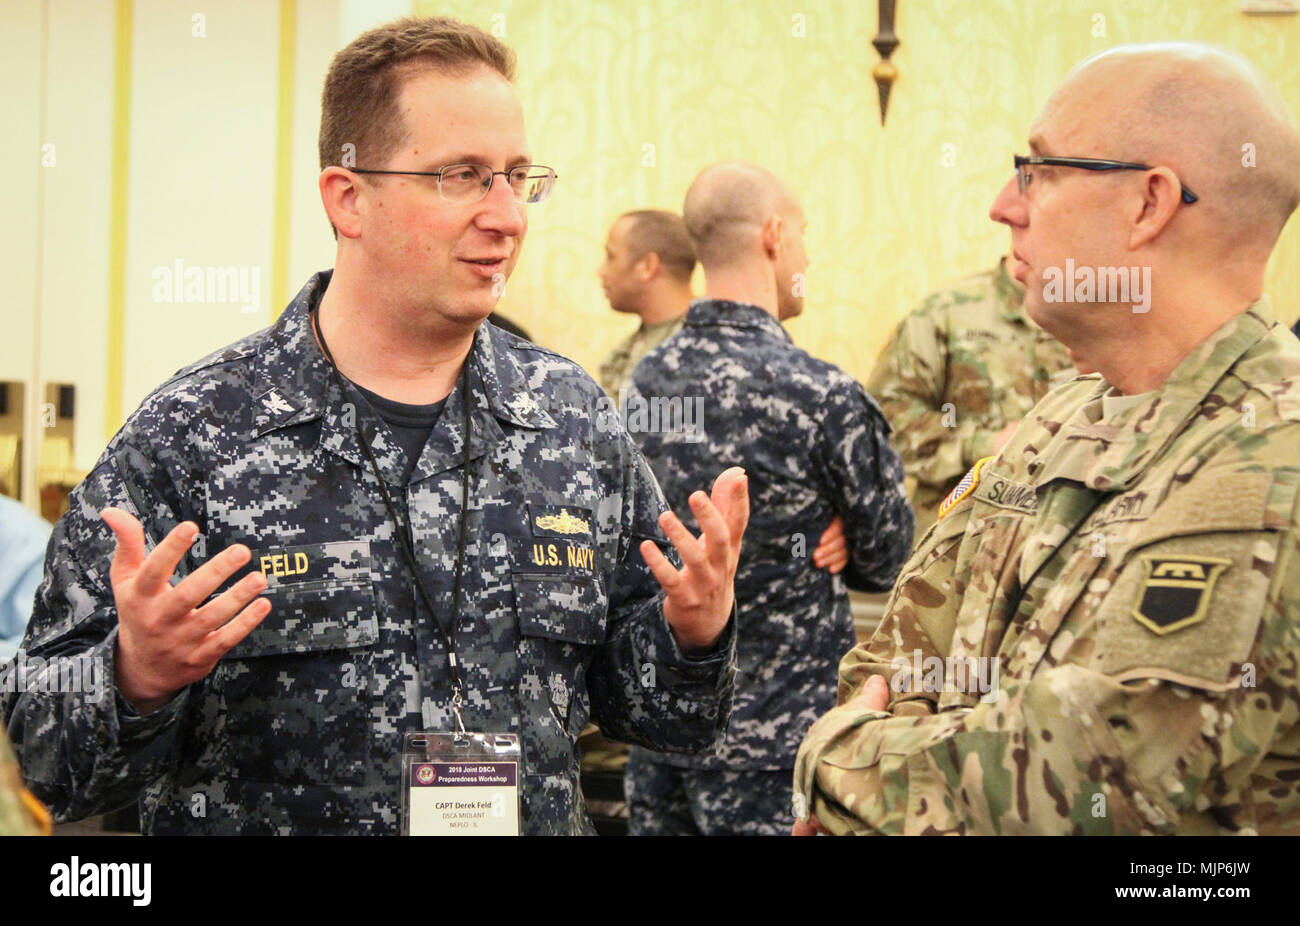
{"x":1175,"y":592}
{"x":969,"y":483}
{"x":563,"y":523}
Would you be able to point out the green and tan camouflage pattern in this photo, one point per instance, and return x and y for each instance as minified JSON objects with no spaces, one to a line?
{"x":960,"y":367}
{"x":1097,"y":724}
{"x":616,"y":370}
{"x":17,"y":816}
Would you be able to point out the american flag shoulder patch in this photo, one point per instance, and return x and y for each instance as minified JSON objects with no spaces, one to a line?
{"x":968,"y":484}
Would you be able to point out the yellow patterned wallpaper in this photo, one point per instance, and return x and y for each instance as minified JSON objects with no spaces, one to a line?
{"x":628,"y":100}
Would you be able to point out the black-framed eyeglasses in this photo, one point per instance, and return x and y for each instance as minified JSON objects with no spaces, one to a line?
{"x":1023,"y":176}
{"x":469,"y":183}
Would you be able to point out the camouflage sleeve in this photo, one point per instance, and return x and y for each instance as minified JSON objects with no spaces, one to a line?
{"x":1071,"y":752}
{"x":937,"y":444}
{"x":1068,"y":750}
{"x":83,"y":748}
{"x":866,"y":482}
{"x":644,"y":690}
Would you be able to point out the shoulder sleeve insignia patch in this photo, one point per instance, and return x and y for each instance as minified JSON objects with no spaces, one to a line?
{"x":968,"y":484}
{"x":1175,"y":592}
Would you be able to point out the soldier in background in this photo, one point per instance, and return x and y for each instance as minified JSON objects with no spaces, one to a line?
{"x":816,"y":449}
{"x":1120,"y":580}
{"x":647,"y":272}
{"x":649,"y":259}
{"x":957,"y":376}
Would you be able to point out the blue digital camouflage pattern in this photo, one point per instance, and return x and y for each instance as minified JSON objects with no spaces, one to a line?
{"x":813,"y":444}
{"x":667,"y":801}
{"x":299,"y":728}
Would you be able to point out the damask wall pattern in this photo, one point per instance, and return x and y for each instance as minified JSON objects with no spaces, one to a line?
{"x":628,"y":100}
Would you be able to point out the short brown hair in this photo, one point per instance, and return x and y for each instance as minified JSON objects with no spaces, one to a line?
{"x":359,"y":102}
{"x":664,"y":233}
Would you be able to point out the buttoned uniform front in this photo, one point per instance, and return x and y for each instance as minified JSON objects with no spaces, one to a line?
{"x":814,"y":444}
{"x":1132,"y":579}
{"x":960,"y":367}
{"x":299,"y":727}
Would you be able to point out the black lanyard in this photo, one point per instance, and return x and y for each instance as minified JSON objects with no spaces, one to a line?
{"x":403,"y":529}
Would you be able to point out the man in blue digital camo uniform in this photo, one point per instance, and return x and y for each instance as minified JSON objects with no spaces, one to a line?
{"x":731,"y":388}
{"x":279,"y":705}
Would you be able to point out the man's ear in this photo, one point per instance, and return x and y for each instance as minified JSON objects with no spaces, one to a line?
{"x":771,"y":237}
{"x":338,"y":193}
{"x":647,"y":267}
{"x":1162,"y":196}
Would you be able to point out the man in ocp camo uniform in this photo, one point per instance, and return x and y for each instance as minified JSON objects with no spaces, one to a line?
{"x":415,"y":517}
{"x":957,"y":376}
{"x":816,"y":449}
{"x":647,"y":272}
{"x":1102,"y":633}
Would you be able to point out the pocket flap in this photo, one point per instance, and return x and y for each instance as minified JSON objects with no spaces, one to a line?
{"x":560,"y":607}
{"x":308,"y":620}
{"x":321,"y":599}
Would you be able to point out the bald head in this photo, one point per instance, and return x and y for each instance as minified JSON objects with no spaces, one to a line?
{"x":1204,"y":112}
{"x":726,"y":208}
{"x":1202,"y":119}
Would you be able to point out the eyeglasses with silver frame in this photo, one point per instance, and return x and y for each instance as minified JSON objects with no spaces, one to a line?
{"x":469,"y":183}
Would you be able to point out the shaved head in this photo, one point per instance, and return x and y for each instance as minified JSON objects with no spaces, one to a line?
{"x":727,"y":206}
{"x":1200,"y":118}
{"x":1202,"y":111}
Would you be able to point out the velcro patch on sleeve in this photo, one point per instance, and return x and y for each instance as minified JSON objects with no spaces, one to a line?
{"x":969,"y":483}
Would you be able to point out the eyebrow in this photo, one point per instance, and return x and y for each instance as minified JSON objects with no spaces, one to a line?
{"x":463,"y":158}
{"x":1037,"y":148}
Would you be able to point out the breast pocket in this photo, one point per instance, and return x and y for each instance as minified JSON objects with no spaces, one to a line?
{"x":294,"y":694}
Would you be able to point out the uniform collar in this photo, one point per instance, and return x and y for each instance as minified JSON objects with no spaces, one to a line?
{"x":647,"y":333}
{"x":725,"y":313}
{"x":654,"y":329}
{"x":1111,"y":455}
{"x":294,"y":384}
